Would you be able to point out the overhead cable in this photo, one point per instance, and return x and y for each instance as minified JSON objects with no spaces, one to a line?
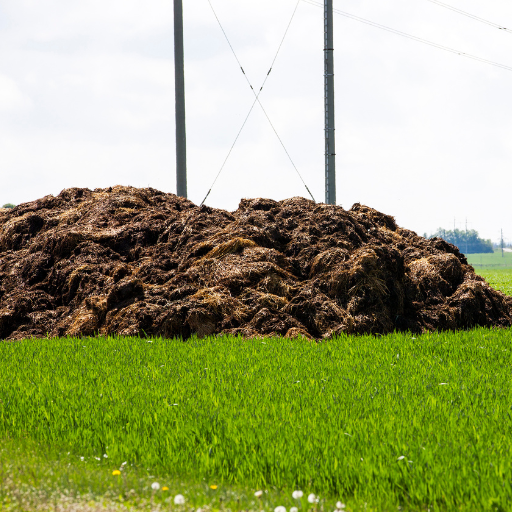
{"x":257,"y":100}
{"x":414,"y":38}
{"x":472,"y":16}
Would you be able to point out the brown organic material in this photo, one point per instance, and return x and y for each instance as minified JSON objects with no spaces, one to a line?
{"x":140,"y":262}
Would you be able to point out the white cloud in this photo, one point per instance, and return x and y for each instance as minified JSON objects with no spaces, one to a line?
{"x":11,"y":96}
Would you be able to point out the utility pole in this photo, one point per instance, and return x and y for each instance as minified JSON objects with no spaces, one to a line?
{"x":179,"y":78}
{"x":330,"y":152}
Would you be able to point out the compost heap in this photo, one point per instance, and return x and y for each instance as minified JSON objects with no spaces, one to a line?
{"x":134,"y":261}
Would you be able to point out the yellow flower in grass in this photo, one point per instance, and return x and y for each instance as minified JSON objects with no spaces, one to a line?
{"x":116,"y":472}
{"x":165,"y":488}
{"x":213,"y":487}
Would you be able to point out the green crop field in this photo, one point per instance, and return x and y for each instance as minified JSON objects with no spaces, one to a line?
{"x":498,"y":278}
{"x":421,"y":422}
{"x":490,"y":260}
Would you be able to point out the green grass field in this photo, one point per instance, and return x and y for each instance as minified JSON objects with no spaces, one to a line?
{"x":417,"y":422}
{"x":498,"y":278}
{"x":490,"y":260}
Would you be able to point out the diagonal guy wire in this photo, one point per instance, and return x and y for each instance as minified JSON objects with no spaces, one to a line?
{"x":256,"y":100}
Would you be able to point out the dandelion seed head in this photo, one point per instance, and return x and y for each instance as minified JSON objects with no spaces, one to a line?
{"x":401,"y":457}
{"x":179,"y":499}
{"x":280,"y":509}
{"x":297,"y":495}
{"x":258,"y":494}
{"x":340,"y":505}
{"x":294,"y":509}
{"x":312,"y":498}
{"x":155,"y":486}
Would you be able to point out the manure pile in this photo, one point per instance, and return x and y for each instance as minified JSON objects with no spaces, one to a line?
{"x":141,"y":262}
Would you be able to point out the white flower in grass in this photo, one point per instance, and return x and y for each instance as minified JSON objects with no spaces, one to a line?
{"x":340,"y":505}
{"x":179,"y":499}
{"x":297,"y":495}
{"x":155,"y":486}
{"x":280,"y":509}
{"x":312,"y":498}
{"x":401,"y":457}
{"x":258,"y":494}
{"x":294,"y":509}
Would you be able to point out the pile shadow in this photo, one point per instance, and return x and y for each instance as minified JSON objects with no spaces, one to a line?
{"x":134,"y":261}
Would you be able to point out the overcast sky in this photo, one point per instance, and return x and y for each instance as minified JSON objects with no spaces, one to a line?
{"x":87,"y":100}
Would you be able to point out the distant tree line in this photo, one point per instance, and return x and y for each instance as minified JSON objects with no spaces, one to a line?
{"x":468,"y":242}
{"x":8,"y":205}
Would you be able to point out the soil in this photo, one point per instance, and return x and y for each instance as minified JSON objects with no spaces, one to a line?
{"x":134,"y":261}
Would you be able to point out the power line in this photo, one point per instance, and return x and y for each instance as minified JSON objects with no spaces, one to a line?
{"x":257,"y":100}
{"x":414,"y":38}
{"x":469,"y":15}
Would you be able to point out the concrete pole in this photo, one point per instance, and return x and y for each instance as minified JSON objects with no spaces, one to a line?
{"x":179,"y":77}
{"x":330,"y":152}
